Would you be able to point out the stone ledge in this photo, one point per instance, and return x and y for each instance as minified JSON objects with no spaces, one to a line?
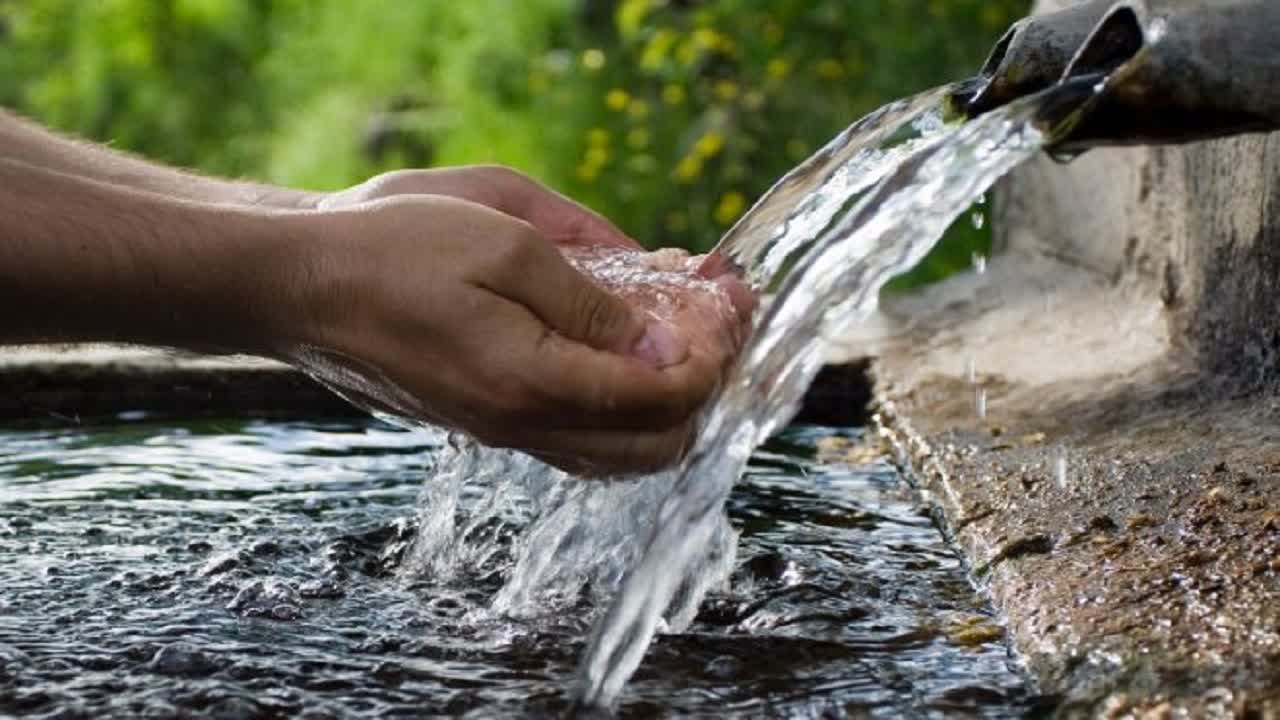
{"x":43,"y":386}
{"x":1120,"y":505}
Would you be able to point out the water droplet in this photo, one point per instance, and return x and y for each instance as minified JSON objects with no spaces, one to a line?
{"x":1060,"y":469}
{"x":979,"y":219}
{"x":980,"y":402}
{"x":980,"y":263}
{"x":971,"y":371}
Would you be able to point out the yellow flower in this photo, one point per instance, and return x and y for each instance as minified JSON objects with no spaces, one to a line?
{"x":593,"y":59}
{"x":778,"y":68}
{"x":709,"y":145}
{"x":688,"y":169}
{"x":656,"y":50}
{"x":673,"y":94}
{"x":638,"y":109}
{"x":631,"y":14}
{"x":726,"y":91}
{"x":686,"y":53}
{"x":830,"y":69}
{"x":706,"y":39}
{"x":730,"y":208}
{"x":588,"y":173}
{"x":753,"y":100}
{"x":617,"y":99}
{"x":596,"y":157}
{"x":597,"y":137}
{"x":638,"y":139}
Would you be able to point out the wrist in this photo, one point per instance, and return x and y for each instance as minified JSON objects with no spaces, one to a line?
{"x":232,"y":289}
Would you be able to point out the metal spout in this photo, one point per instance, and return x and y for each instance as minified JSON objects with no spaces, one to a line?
{"x":1175,"y":70}
{"x":1179,"y":70}
{"x":1033,"y":55}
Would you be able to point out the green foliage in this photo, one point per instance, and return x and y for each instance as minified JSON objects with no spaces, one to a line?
{"x":669,"y":116}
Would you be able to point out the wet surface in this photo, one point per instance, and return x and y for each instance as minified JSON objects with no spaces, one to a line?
{"x":241,"y":570}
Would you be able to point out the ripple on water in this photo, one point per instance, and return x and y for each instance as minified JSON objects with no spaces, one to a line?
{"x":246,"y":569}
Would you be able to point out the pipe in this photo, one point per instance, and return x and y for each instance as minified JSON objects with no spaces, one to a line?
{"x":1172,"y":70}
{"x":1181,"y":70}
{"x":1032,"y":56}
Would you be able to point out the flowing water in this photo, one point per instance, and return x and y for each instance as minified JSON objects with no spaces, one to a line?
{"x":815,"y":588}
{"x":866,"y":208}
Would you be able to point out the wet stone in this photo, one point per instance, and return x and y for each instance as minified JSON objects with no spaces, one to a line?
{"x":379,"y":645}
{"x":267,"y":598}
{"x":264,"y":548}
{"x":326,"y":589}
{"x":222,"y":562}
{"x":182,"y":659}
{"x":233,"y":709}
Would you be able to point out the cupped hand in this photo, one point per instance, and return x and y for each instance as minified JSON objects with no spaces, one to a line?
{"x":554,"y":216}
{"x":453,"y":313}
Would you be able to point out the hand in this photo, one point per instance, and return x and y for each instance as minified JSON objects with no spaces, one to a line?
{"x":559,"y":219}
{"x":453,"y":313}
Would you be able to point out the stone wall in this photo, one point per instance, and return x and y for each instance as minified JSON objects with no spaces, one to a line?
{"x":1195,"y":227}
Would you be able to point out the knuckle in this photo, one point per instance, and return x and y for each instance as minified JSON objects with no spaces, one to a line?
{"x":595,"y":316}
{"x":508,"y":399}
{"x":512,"y":250}
{"x":514,"y":400}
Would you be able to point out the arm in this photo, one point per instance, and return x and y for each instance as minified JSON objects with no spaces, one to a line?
{"x":561,"y":220}
{"x":82,"y":260}
{"x":31,"y":144}
{"x":426,"y":306}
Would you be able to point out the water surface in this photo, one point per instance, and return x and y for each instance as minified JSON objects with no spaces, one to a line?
{"x":252,"y":569}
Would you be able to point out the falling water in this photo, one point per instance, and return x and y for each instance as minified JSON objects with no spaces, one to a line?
{"x":868,"y":207}
{"x":825,"y":239}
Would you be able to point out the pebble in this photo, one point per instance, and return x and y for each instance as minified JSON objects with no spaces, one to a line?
{"x":182,"y":659}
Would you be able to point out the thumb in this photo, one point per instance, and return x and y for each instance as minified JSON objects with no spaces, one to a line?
{"x":597,"y":318}
{"x":573,"y":305}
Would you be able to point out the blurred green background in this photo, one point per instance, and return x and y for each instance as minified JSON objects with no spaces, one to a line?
{"x":669,"y":116}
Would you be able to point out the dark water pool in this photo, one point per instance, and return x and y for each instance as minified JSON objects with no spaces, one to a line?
{"x":247,"y":569}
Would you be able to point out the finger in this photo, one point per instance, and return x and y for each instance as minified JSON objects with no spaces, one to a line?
{"x":558,"y":218}
{"x":717,"y":267}
{"x":715,"y":263}
{"x":570,"y":303}
{"x":601,"y":454}
{"x":530,"y":377}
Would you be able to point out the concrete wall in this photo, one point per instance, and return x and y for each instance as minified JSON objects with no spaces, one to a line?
{"x":1194,"y":227}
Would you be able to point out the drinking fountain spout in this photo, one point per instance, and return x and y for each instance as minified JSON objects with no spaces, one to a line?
{"x":1172,"y":70}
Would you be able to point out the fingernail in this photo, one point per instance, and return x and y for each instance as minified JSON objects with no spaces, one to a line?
{"x":660,"y":344}
{"x":715,"y":264}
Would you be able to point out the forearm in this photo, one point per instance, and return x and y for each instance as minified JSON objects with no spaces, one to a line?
{"x":31,"y":144}
{"x":84,"y":261}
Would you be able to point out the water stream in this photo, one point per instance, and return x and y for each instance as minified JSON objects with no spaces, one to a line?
{"x":871,"y":206}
